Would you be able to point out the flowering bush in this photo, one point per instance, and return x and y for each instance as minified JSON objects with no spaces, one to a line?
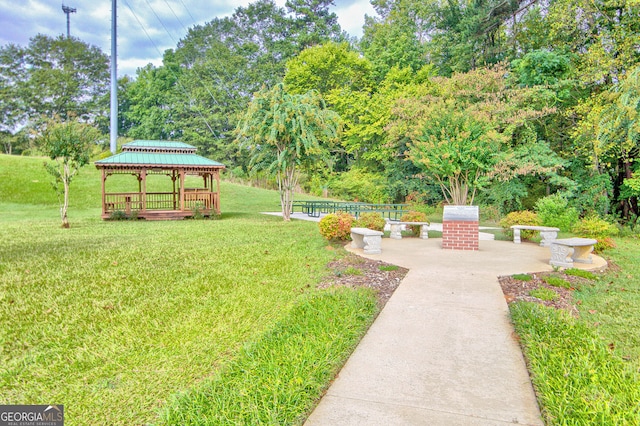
{"x":523,"y":217}
{"x":336,"y":226}
{"x":371,"y":220}
{"x":413,"y":216}
{"x":599,"y":229}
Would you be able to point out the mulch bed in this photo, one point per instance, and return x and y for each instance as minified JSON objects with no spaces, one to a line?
{"x":516,"y":290}
{"x":355,"y":271}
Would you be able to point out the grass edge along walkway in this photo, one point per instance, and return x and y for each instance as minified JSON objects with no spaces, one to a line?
{"x":279,"y":378}
{"x":577,"y":379}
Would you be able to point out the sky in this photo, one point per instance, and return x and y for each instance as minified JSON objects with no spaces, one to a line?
{"x":146,"y":28}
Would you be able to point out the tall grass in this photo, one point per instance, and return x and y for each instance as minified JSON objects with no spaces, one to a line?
{"x":277,"y":379}
{"x":577,"y":380}
{"x":586,"y":370}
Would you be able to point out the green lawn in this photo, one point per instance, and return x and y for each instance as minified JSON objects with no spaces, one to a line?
{"x":586,"y":370}
{"x":119,"y":320}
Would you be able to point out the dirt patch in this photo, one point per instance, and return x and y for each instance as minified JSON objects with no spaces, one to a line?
{"x":355,"y":271}
{"x":515,"y":289}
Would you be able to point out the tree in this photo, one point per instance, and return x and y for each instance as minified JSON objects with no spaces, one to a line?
{"x":286,"y":133}
{"x":456,"y":150}
{"x":67,"y":143}
{"x":469,"y":125}
{"x":313,"y":23}
{"x":53,"y":77}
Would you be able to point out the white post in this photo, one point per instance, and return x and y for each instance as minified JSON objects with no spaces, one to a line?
{"x":114,"y":80}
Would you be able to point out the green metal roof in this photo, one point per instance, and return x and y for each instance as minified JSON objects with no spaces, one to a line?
{"x":158,"y":144}
{"x":158,"y":159}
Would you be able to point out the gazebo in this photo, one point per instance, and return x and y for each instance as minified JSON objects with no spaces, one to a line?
{"x":142,"y":158}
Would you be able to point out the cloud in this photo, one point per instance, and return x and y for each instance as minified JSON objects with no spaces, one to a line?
{"x":146,"y":28}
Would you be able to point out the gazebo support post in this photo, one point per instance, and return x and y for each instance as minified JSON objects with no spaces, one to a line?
{"x":143,"y":174}
{"x":181,"y":190}
{"x":104,"y":196}
{"x":217,"y":197}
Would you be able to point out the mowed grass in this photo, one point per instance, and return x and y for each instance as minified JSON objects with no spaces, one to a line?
{"x":114,"y":319}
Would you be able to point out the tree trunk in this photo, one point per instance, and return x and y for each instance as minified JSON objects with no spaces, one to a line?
{"x":66,"y":177}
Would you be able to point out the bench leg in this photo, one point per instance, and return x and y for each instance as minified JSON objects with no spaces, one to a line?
{"x":424,"y":232}
{"x":548,"y":237}
{"x":372,"y":244}
{"x":357,"y":241}
{"x":396,"y":232}
{"x":582,"y":254}
{"x":560,"y":256}
{"x":516,"y":236}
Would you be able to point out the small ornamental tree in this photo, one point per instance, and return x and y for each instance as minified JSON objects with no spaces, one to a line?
{"x":68,"y":145}
{"x":286,"y":133}
{"x":456,"y":151}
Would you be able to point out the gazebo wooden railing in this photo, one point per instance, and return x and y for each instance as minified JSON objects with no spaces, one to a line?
{"x":127,"y":202}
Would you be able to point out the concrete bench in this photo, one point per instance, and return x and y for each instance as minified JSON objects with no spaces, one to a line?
{"x":366,"y":239}
{"x":396,"y":229}
{"x":581,"y":248}
{"x":548,"y":234}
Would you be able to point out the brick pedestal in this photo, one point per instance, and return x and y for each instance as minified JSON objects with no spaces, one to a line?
{"x":460,"y":228}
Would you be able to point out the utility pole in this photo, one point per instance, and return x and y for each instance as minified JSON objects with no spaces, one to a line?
{"x":68,"y":11}
{"x":113,"y":137}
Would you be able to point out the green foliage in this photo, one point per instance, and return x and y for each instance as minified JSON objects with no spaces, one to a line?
{"x":556,"y":281}
{"x":599,"y":229}
{"x":414,"y":216}
{"x":542,"y":67}
{"x":554,"y":210}
{"x":336,"y":226}
{"x":328,"y":67}
{"x":285,"y":133}
{"x":455,"y":150}
{"x":52,"y":77}
{"x":121,"y":215}
{"x":388,"y":268}
{"x":359,"y":185}
{"x":577,"y":378}
{"x":68,"y":145}
{"x":371,"y":220}
{"x":524,"y":217}
{"x":523,"y":277}
{"x":258,"y":387}
{"x":353,"y":271}
{"x":580,"y":273}
{"x":544,"y":293}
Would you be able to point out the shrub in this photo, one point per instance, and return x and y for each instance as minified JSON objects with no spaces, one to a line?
{"x":414,"y":216}
{"x":361,"y":185}
{"x":522,"y":277}
{"x":336,"y":226}
{"x":556,"y":281}
{"x":554,"y":210}
{"x":388,"y":268}
{"x":121,"y":215}
{"x":544,"y":293}
{"x":524,"y":217}
{"x":599,"y":229}
{"x":580,"y":273}
{"x":371,"y":220}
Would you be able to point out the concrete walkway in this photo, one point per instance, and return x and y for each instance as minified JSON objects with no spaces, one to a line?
{"x":443,"y":350}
